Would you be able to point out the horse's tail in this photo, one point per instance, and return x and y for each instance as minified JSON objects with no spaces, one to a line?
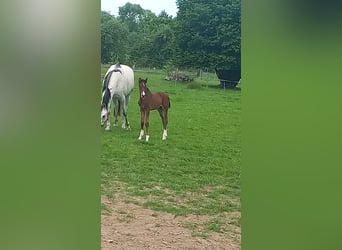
{"x":169,"y":103}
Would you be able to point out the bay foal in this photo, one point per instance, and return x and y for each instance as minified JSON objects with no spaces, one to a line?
{"x":159,"y":101}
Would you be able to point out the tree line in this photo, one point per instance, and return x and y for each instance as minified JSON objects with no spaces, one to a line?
{"x":204,"y":34}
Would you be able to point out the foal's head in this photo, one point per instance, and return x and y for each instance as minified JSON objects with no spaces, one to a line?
{"x":143,"y":87}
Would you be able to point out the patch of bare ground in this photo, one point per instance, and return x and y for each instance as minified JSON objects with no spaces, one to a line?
{"x":125,"y":225}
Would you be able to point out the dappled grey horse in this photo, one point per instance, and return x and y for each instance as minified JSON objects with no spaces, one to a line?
{"x":118,"y":84}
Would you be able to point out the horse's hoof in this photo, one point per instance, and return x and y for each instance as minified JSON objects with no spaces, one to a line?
{"x":147,"y":138}
{"x":107,"y":128}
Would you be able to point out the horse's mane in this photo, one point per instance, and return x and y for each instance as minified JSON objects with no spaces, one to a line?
{"x":109,"y":75}
{"x":106,"y":80}
{"x":105,"y":98}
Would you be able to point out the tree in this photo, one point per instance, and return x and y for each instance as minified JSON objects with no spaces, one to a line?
{"x":209,"y":33}
{"x":131,"y":14}
{"x":152,"y":43}
{"x":113,"y":37}
{"x":203,"y":35}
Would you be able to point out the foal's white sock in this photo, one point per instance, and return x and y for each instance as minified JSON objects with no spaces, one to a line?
{"x":147,"y":137}
{"x":164,"y":134}
{"x":141,"y":134}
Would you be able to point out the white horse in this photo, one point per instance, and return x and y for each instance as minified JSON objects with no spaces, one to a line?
{"x":117,"y":86}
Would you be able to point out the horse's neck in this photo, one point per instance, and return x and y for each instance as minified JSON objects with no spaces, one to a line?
{"x":147,"y":99}
{"x":147,"y":91}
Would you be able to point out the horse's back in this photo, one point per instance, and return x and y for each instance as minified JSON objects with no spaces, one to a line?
{"x":121,"y":81}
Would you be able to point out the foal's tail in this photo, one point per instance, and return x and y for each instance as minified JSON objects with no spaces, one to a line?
{"x":169,"y":103}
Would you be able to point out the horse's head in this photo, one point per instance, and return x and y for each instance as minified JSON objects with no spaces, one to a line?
{"x":105,"y":109}
{"x":142,"y":87}
{"x":104,"y":114}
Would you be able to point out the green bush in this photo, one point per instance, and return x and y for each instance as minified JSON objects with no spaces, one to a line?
{"x":194,"y":85}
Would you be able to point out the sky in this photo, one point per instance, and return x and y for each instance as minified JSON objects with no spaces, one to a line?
{"x":156,"y":6}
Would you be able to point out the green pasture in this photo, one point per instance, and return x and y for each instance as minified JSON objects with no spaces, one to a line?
{"x":196,"y":170}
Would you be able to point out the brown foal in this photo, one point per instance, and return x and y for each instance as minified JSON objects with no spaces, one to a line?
{"x":147,"y":102}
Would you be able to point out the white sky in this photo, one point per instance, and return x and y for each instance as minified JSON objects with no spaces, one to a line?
{"x":156,"y":6}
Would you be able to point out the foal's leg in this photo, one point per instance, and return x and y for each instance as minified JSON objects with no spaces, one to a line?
{"x":163,"y":115}
{"x":165,"y":122}
{"x":142,"y":119}
{"x":147,"y":123}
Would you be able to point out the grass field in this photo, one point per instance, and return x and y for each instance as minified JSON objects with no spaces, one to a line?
{"x":196,"y":170}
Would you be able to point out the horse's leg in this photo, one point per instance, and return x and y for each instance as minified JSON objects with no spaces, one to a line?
{"x":108,"y":117}
{"x":108,"y":121}
{"x":147,"y":123}
{"x":125,"y":123}
{"x":126,"y":103}
{"x":142,"y":122}
{"x":116,"y":111}
{"x":124,"y":112}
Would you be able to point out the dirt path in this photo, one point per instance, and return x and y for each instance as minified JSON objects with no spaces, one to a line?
{"x":129,"y":226}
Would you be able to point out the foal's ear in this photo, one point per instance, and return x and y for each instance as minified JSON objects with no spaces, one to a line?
{"x":146,"y":79}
